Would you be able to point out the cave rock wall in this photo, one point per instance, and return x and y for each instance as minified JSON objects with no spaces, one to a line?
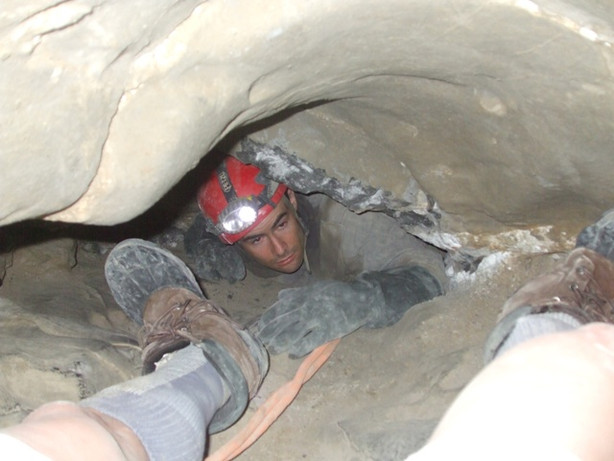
{"x":490,"y":121}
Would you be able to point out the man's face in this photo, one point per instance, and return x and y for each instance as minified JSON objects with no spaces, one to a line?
{"x":278,"y":242}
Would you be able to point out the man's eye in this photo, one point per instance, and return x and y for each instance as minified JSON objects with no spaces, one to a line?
{"x":282,"y":224}
{"x":255,"y":241}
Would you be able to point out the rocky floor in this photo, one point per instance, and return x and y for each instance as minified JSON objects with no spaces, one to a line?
{"x":377,"y":398}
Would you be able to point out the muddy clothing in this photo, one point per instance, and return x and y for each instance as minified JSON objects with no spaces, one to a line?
{"x":350,"y":244}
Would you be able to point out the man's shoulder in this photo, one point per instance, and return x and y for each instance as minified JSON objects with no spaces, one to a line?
{"x":309,"y":208}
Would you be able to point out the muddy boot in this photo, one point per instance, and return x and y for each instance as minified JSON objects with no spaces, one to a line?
{"x":578,"y":291}
{"x":175,"y":317}
{"x":136,"y":268}
{"x":157,"y":290}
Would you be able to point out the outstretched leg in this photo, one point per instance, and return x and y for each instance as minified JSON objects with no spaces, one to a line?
{"x":202,"y":370}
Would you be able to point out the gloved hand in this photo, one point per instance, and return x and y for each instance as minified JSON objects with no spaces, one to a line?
{"x":307,"y":317}
{"x":210,"y":258}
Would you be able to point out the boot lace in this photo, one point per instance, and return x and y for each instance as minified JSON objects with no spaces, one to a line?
{"x":590,"y":298}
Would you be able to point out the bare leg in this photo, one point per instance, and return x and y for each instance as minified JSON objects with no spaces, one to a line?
{"x":67,"y":431}
{"x":162,"y":415}
{"x":549,"y":398}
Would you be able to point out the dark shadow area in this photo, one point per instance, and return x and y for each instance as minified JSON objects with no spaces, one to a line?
{"x":179,"y":200}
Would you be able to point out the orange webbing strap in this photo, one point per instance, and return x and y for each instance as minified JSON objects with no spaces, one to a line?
{"x":275,"y":405}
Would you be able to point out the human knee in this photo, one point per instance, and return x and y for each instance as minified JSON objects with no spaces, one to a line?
{"x":65,"y":430}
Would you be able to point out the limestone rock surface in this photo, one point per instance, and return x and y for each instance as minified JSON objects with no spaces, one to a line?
{"x":495,"y":117}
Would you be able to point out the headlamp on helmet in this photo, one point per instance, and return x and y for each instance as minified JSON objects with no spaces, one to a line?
{"x":235,"y":198}
{"x":239,"y":215}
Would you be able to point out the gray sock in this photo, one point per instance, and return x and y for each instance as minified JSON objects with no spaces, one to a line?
{"x":169,"y":409}
{"x":532,"y":326}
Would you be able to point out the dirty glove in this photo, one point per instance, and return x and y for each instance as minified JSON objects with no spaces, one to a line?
{"x":210,"y":258}
{"x":307,"y":317}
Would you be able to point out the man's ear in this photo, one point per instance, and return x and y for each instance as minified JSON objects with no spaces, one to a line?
{"x":292,"y":198}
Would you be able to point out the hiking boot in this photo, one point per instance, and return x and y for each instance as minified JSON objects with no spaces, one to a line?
{"x":175,"y":317}
{"x":136,"y":268}
{"x":158,"y":291}
{"x":582,"y":286}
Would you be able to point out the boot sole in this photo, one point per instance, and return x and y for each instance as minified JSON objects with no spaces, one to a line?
{"x":136,"y":268}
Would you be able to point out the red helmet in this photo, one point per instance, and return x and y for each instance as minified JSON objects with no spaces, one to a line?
{"x":236,"y":198}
